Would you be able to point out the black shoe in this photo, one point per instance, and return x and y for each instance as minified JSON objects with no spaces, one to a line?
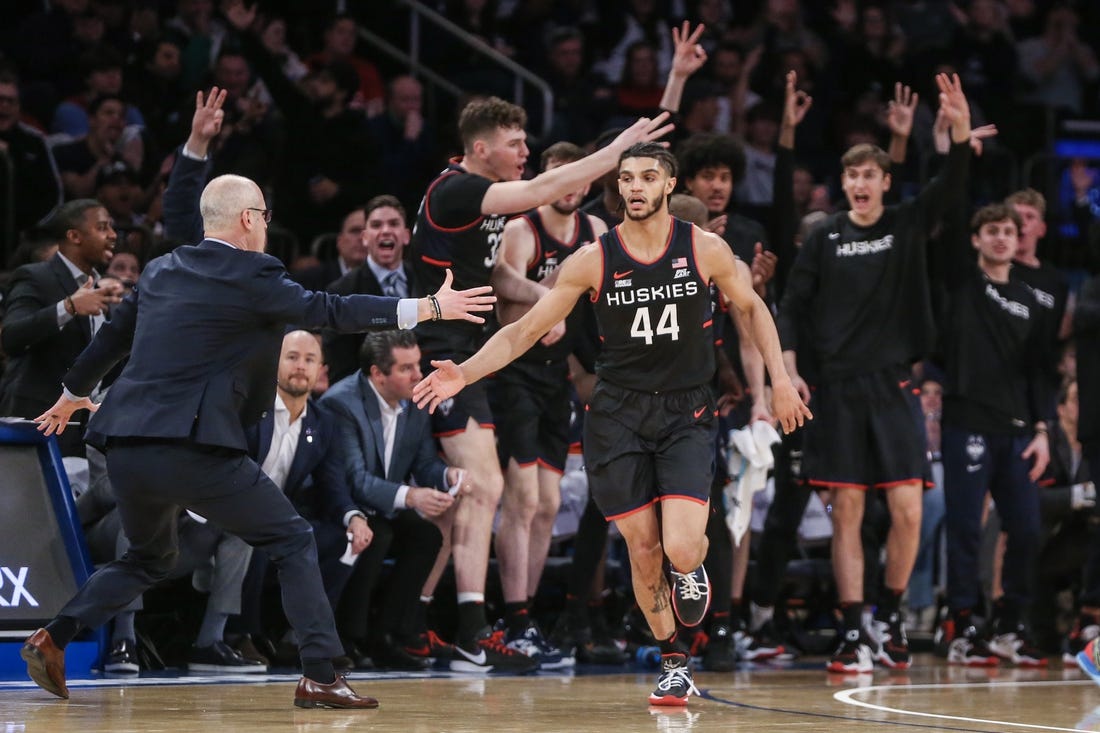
{"x":718,"y":654}
{"x":123,"y":658}
{"x":388,"y":654}
{"x":220,"y":657}
{"x":247,"y":647}
{"x":690,"y":595}
{"x":487,"y":652}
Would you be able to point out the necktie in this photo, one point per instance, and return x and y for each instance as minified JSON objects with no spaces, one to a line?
{"x":390,"y":284}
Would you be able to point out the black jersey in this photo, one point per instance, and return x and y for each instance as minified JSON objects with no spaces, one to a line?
{"x":655,"y":318}
{"x":550,"y":252}
{"x":452,"y":233}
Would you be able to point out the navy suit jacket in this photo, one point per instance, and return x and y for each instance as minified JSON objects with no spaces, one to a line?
{"x":341,"y":349}
{"x":203,"y":330}
{"x":180,"y":203}
{"x":316,"y":483}
{"x":360,"y":429}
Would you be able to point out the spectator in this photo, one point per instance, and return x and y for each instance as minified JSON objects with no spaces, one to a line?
{"x":102,"y":72}
{"x":118,"y":190}
{"x":580,"y":96}
{"x":203,"y":36}
{"x":642,"y":22}
{"x":336,"y":171}
{"x":982,"y":50}
{"x":1058,"y":64}
{"x":154,"y":84}
{"x":732,"y":68}
{"x":340,"y":36}
{"x":639,"y":90}
{"x":273,"y":37}
{"x":350,"y":253}
{"x":406,"y":143}
{"x":80,"y":161}
{"x":35,"y":186}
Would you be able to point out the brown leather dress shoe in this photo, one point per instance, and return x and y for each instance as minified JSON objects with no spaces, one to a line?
{"x":312,"y":694}
{"x":45,"y":663}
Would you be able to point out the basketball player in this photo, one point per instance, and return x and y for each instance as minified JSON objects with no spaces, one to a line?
{"x":650,"y":431}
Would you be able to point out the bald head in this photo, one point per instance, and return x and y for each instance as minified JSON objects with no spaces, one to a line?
{"x":226,"y":205}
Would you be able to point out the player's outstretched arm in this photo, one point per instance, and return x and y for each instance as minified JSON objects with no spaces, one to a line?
{"x":506,"y":197}
{"x":717,"y":263}
{"x":579,"y":274}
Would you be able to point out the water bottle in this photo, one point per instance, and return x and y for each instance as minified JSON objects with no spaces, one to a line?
{"x":648,"y":657}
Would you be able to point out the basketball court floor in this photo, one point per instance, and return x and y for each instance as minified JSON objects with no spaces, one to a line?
{"x":802,"y":697}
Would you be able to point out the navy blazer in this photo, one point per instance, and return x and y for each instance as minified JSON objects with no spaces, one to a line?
{"x":342,"y":350}
{"x":316,"y":483}
{"x":180,"y":203}
{"x":203,"y":330}
{"x":359,"y":425}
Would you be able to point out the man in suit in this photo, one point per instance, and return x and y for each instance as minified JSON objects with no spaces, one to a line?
{"x":53,"y":310}
{"x":297,"y":445}
{"x":395,"y":471}
{"x":202,"y":330}
{"x":350,"y":253}
{"x":384,"y":272}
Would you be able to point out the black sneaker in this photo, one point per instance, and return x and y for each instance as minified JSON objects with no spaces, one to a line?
{"x":690,"y":595}
{"x":220,"y":657}
{"x":889,"y":643}
{"x":488,"y":653}
{"x":1085,"y":629}
{"x":718,"y":655}
{"x":123,"y":658}
{"x":853,"y":656}
{"x":762,"y":645}
{"x":969,"y":649}
{"x":1018,"y":648}
{"x":674,"y":684}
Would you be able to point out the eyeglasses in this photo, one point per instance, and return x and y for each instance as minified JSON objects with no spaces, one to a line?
{"x":266,"y":213}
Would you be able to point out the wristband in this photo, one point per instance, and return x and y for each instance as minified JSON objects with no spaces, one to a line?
{"x":437,"y":314}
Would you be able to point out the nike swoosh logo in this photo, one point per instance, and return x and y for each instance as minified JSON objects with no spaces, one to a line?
{"x":478,"y":658}
{"x":621,"y":275}
{"x":700,"y":411}
{"x":834,"y":235}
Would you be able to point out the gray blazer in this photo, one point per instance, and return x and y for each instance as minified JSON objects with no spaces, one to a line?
{"x":415,"y":459}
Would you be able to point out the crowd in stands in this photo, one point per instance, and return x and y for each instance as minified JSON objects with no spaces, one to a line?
{"x":114,"y":114}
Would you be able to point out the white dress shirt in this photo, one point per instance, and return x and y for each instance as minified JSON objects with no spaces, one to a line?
{"x":284,"y":444}
{"x":63,"y":316}
{"x":389,"y":431}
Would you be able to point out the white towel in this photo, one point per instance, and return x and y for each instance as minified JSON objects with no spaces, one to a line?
{"x":749,"y":460}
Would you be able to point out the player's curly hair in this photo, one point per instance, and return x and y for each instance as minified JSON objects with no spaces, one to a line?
{"x":485,"y":116}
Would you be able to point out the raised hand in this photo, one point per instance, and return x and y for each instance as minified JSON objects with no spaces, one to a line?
{"x":688,"y":56}
{"x":57,"y":417}
{"x":460,"y":305}
{"x":954,"y":105}
{"x":644,"y":130}
{"x":206,"y":123}
{"x":796,"y":103}
{"x":445,"y":382}
{"x":89,"y":300}
{"x":900,"y":111}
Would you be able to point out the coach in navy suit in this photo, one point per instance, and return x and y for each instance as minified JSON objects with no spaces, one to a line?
{"x":297,"y":445}
{"x":394,"y":469}
{"x":203,"y":330}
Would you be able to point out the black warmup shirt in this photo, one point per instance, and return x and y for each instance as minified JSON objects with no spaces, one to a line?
{"x":655,"y":318}
{"x":451,"y":232}
{"x":549,"y":254}
{"x":992,"y":345}
{"x":862,"y":293}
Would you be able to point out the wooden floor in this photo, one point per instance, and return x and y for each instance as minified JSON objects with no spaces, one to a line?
{"x":931,"y":696}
